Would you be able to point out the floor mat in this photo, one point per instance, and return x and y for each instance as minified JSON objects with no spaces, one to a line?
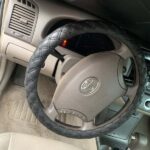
{"x":16,"y":115}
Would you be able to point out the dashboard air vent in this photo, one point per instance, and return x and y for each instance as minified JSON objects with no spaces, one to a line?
{"x":22,"y":20}
{"x":27,"y":3}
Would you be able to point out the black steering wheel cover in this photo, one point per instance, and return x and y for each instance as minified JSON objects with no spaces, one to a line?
{"x":47,"y":46}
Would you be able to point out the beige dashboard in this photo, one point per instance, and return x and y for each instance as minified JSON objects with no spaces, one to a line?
{"x":23,"y":26}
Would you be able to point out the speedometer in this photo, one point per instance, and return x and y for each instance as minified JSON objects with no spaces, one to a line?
{"x":87,"y":44}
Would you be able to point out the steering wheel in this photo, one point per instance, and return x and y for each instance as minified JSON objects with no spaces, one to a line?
{"x":89,"y":86}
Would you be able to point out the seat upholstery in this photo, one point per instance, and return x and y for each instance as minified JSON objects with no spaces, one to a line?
{"x":16,"y":141}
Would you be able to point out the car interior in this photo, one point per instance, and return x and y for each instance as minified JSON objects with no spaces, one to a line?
{"x":74,"y":75}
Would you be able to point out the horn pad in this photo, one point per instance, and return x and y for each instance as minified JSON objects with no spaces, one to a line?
{"x":90,"y":86}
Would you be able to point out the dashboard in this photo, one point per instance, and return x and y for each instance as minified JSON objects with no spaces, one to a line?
{"x":25,"y":23}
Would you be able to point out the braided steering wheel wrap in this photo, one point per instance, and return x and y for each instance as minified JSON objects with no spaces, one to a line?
{"x":48,"y":45}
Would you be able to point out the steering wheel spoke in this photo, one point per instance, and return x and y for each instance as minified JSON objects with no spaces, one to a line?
{"x":87,"y":125}
{"x":123,"y":51}
{"x":130,"y":92}
{"x":51,"y":112}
